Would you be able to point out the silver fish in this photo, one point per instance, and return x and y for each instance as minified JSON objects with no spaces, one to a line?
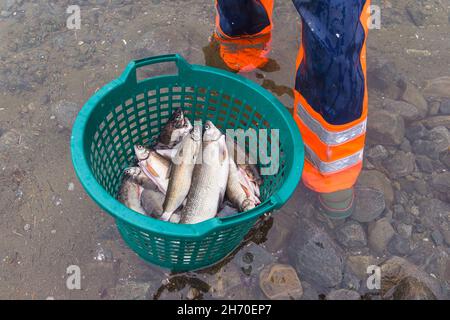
{"x":152,"y":202}
{"x":130,"y":191}
{"x":155,"y":166}
{"x":209,"y":179}
{"x":240,"y":190}
{"x":182,"y":167}
{"x":248,"y":166}
{"x":174,"y":131}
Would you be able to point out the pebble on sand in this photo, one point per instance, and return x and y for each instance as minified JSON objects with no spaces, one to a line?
{"x":280,"y":282}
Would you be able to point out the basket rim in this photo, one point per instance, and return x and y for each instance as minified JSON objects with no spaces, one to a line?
{"x":146,"y":223}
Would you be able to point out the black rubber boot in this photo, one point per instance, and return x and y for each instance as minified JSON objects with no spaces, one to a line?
{"x":339,"y":204}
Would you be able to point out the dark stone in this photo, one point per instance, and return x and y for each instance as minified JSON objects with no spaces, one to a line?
{"x":406,"y":146}
{"x":384,"y":76}
{"x":407,"y":111}
{"x":404,"y":230}
{"x":399,"y":246}
{"x":441,"y":182}
{"x":445,"y":158}
{"x":444,"y":108}
{"x":377,"y":180}
{"x":309,"y":293}
{"x":406,"y":184}
{"x":385,"y":128}
{"x":434,"y":215}
{"x":351,"y":235}
{"x":370,"y":204}
{"x":377,"y":153}
{"x":399,"y":211}
{"x":400,"y":165}
{"x":380,"y":233}
{"x":433,"y":143}
{"x":416,"y":131}
{"x":421,"y":187}
{"x":437,"y":237}
{"x":317,"y":257}
{"x":413,"y":96}
{"x":350,"y":280}
{"x":424,"y":164}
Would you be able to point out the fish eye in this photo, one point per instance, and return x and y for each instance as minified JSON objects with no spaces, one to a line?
{"x":207,"y":126}
{"x":140,"y":147}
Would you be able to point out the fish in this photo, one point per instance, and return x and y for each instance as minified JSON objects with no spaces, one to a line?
{"x":209,"y":178}
{"x":174,"y":131}
{"x":240,"y":189}
{"x":183,"y":164}
{"x":154,"y":166}
{"x":250,"y":169}
{"x":136,"y":175}
{"x":150,"y":197}
{"x":130,"y":191}
{"x":152,"y":202}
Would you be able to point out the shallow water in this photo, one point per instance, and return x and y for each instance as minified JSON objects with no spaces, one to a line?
{"x":47,"y":222}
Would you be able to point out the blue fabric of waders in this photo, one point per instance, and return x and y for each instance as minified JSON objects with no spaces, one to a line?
{"x":330,"y":76}
{"x":242,"y":17}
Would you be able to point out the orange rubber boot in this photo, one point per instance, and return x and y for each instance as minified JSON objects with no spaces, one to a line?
{"x":244,"y":51}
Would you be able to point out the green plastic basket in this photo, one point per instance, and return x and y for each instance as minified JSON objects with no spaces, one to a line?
{"x":127,"y":112}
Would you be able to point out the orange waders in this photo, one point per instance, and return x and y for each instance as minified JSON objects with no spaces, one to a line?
{"x":330,"y":86}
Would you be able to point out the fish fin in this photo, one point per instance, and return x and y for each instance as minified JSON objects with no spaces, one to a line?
{"x":151,"y":170}
{"x":246,"y":190}
{"x":166,"y":216}
{"x":175,"y":218}
{"x":256,"y":188}
{"x":153,"y":179}
{"x":247,"y":204}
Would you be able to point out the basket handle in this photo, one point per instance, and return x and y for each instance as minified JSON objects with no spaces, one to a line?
{"x":129,"y":74}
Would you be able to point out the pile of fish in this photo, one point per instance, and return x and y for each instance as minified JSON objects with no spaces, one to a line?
{"x":190,"y":175}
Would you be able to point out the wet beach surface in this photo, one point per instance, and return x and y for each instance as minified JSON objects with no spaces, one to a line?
{"x":47,"y":221}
